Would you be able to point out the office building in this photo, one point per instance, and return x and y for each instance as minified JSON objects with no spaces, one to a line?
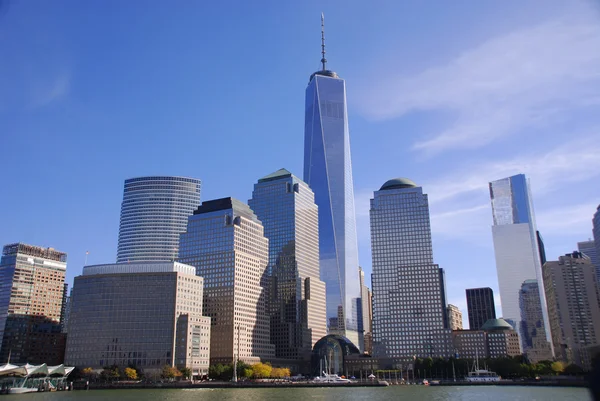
{"x":596,"y":231}
{"x":409,"y":305}
{"x":32,"y":285}
{"x":533,"y":332}
{"x":153,"y":214}
{"x":286,"y":207}
{"x":328,"y":172}
{"x":366,"y":313}
{"x":495,"y":339}
{"x":142,"y":314}
{"x":480,"y":306}
{"x":574,"y":307}
{"x":455,"y":319}
{"x":588,"y":250}
{"x":225,"y":242}
{"x":516,"y":246}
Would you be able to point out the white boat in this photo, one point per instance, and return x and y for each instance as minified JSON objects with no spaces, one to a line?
{"x":22,"y":390}
{"x":481,"y":375}
{"x":327,"y":378}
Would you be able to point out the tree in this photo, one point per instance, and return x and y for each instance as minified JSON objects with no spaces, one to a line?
{"x":110,"y":373}
{"x":186,"y":373}
{"x":130,"y":373}
{"x":280,"y":373}
{"x":557,"y":367}
{"x":242,"y":367}
{"x":261,"y":370}
{"x":573,"y":370}
{"x":170,"y":372}
{"x":87,"y":372}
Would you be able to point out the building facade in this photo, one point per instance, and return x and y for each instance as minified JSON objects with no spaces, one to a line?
{"x":328,"y":171}
{"x":455,"y":319}
{"x":516,"y":246}
{"x":296,"y":295}
{"x":480,"y":306}
{"x":153,"y":214}
{"x":409,"y":305}
{"x":495,"y":339}
{"x":142,"y":314}
{"x":32,"y":285}
{"x":533,"y":332}
{"x":588,"y":249}
{"x":574,"y":307}
{"x":366,"y":314}
{"x":225,"y":242}
{"x":596,"y":231}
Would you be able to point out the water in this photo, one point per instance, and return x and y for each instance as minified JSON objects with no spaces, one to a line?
{"x":409,"y":393}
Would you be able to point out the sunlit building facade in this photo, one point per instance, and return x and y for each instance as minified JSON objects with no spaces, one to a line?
{"x":533,"y":331}
{"x":154,"y":212}
{"x":296,"y":295}
{"x":225,"y":242}
{"x":516,"y":246}
{"x":455,"y":319}
{"x":409,"y":302}
{"x":328,"y":172}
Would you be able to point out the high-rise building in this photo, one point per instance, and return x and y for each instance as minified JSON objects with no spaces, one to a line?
{"x":154,"y":212}
{"x":574,"y":307}
{"x":409,"y":308}
{"x":328,"y":171}
{"x":32,"y":286}
{"x":588,"y":249}
{"x":455,"y":319}
{"x":533,"y":331}
{"x":286,"y":207}
{"x":366,"y":310}
{"x":142,"y":314}
{"x":225,"y":242}
{"x":596,"y":231}
{"x":481,"y":307}
{"x":515,"y":245}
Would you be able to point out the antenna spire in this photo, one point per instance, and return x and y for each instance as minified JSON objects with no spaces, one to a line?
{"x":323,"y":60}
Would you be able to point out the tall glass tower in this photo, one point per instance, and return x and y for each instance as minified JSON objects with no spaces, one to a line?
{"x":516,"y":247}
{"x":409,"y":297}
{"x":328,"y":171}
{"x":154,"y":212}
{"x":286,"y":207}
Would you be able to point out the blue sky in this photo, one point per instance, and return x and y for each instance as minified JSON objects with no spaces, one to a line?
{"x":451,"y":95}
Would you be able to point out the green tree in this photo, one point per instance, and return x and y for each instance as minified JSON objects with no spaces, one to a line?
{"x":573,"y":370}
{"x":110,"y":373}
{"x":130,"y":373}
{"x":87,"y":373}
{"x":261,"y":370}
{"x":170,"y":372}
{"x":280,"y":373}
{"x":557,"y":367}
{"x":186,"y":373}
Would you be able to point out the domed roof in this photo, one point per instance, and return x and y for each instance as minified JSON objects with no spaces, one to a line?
{"x":398,"y":183}
{"x":496,"y":324}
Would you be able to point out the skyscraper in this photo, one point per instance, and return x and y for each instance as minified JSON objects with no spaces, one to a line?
{"x":31,"y":298}
{"x":574,"y":307}
{"x":533,"y":331}
{"x":366,"y":311}
{"x":481,"y":307}
{"x":225,"y":242}
{"x":328,"y":171}
{"x":153,"y":214}
{"x":588,"y":249}
{"x":409,"y":307}
{"x":286,"y":207}
{"x":454,"y":318}
{"x":515,"y":245}
{"x":596,"y":230}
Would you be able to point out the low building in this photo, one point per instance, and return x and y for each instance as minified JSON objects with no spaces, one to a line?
{"x":497,"y":338}
{"x":454,"y":317}
{"x":144,"y":314}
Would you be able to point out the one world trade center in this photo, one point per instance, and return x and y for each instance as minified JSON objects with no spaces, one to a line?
{"x":328,"y":171}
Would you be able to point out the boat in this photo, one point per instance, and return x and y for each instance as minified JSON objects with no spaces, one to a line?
{"x":330,"y":378}
{"x":425,"y":382}
{"x":481,"y":375}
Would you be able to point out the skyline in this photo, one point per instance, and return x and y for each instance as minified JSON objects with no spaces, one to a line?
{"x":120,"y":104}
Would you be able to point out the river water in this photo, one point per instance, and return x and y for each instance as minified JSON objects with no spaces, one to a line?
{"x":409,"y":393}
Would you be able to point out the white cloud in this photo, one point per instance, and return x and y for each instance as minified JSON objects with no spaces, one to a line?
{"x":49,"y":92}
{"x":567,"y":219}
{"x":519,"y":80}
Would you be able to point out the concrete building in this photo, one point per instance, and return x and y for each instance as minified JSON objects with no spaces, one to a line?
{"x":142,"y":314}
{"x":516,"y":246}
{"x":328,"y":172}
{"x":480,"y":306}
{"x":496,"y":339}
{"x":366,"y":313}
{"x":225,"y":242}
{"x":588,"y":250}
{"x":409,"y":302}
{"x":533,"y":332}
{"x":596,"y":231}
{"x":286,"y":207}
{"x":574,"y":307}
{"x":32,"y":282}
{"x":153,"y":214}
{"x":455,"y":319}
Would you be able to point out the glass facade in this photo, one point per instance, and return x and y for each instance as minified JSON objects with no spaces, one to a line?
{"x":516,"y":245}
{"x":328,"y":171}
{"x":481,"y":306}
{"x":533,"y":332}
{"x":225,"y":242}
{"x":409,"y":306}
{"x":153,"y":214}
{"x":596,"y":231}
{"x":31,"y":300}
{"x":148,"y":316}
{"x":286,"y":207}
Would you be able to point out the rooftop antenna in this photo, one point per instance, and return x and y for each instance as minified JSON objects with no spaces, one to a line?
{"x":323,"y":60}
